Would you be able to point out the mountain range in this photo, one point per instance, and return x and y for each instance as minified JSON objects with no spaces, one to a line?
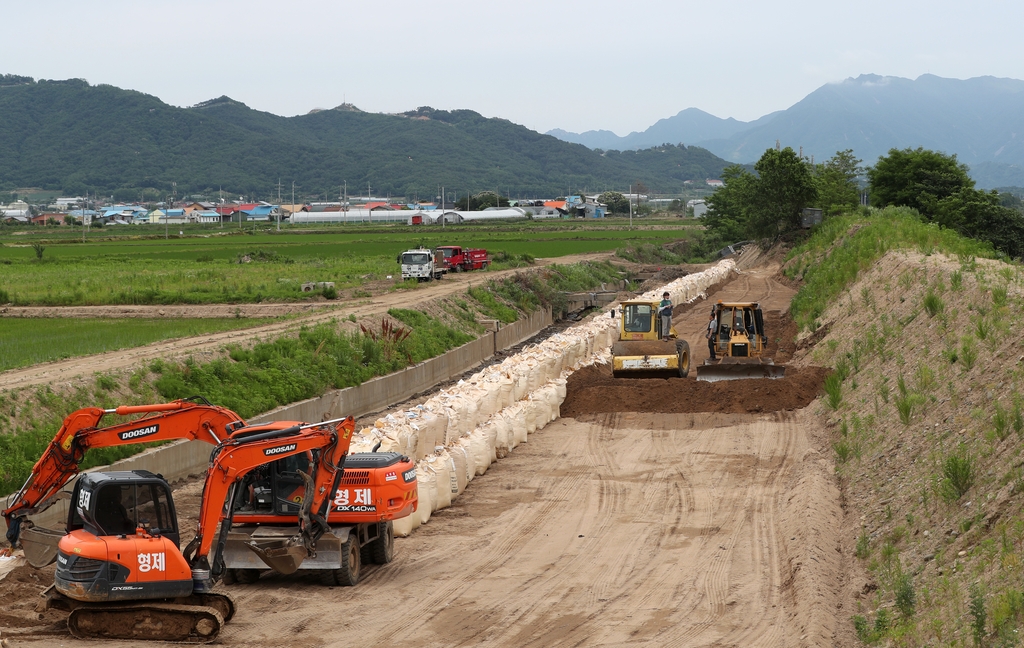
{"x":78,"y":138}
{"x":981,"y":120}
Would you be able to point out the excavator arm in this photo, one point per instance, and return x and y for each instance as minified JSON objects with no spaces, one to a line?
{"x":249,"y":448}
{"x":180,"y":419}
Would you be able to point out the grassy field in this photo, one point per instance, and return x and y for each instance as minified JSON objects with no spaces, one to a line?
{"x":134,"y":265}
{"x":25,"y":342}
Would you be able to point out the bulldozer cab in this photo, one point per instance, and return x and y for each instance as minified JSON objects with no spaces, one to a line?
{"x":640,"y":321}
{"x":741,"y":344}
{"x":740,"y":330}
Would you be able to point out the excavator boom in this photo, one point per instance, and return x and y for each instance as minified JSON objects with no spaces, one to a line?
{"x":180,"y":419}
{"x":253,"y":447}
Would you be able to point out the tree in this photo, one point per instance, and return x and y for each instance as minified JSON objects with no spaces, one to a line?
{"x":764,"y":206}
{"x":979,"y":215}
{"x":836,"y":181}
{"x":617,"y":203}
{"x":938,"y":187}
{"x":916,"y":178}
{"x":783,"y":188}
{"x":726,"y":219}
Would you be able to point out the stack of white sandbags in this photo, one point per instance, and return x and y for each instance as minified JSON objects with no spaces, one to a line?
{"x":456,"y":434}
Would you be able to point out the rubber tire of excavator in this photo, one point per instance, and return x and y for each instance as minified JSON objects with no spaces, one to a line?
{"x":683,"y":349}
{"x":246,"y":576}
{"x":351,"y":564}
{"x":382,"y":550}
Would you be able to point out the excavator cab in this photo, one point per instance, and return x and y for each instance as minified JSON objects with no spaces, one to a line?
{"x":122,"y":541}
{"x":107,"y":504}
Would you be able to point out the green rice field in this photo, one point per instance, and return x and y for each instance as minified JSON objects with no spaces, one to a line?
{"x":25,"y":342}
{"x":135,"y":265}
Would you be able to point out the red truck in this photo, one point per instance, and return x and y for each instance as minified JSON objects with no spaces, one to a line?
{"x":457,"y":258}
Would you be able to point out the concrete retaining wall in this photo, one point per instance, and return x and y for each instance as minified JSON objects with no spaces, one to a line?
{"x":379,"y":393}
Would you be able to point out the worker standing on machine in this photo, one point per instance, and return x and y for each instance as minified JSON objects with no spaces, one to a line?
{"x":712,"y":333}
{"x":665,"y":313}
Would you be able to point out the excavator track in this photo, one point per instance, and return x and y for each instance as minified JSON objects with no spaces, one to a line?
{"x":146,"y":622}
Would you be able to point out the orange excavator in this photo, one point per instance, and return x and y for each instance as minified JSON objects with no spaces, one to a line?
{"x":120,"y":572}
{"x":376,"y":489}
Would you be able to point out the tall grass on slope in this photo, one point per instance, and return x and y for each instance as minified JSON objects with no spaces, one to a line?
{"x":844,"y":246}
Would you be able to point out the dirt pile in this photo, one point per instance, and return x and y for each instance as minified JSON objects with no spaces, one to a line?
{"x":593,"y":390}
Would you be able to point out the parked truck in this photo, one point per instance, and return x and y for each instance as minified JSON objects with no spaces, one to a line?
{"x":423,"y":264}
{"x":458,"y":259}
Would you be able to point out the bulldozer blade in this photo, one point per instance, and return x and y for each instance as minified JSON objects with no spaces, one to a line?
{"x":40,"y":545}
{"x":737,"y":371}
{"x":283,"y":556}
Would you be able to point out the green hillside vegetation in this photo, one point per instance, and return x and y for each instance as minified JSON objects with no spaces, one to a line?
{"x":924,"y":412}
{"x":72,"y":136}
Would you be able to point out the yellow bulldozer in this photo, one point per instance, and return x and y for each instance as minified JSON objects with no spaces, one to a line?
{"x":740,"y":344}
{"x":642,"y":350}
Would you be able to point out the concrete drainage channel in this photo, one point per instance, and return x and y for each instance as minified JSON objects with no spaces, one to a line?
{"x":457,"y":433}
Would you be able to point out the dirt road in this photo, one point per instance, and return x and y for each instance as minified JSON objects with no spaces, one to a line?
{"x":632,"y":528}
{"x":307,"y":314}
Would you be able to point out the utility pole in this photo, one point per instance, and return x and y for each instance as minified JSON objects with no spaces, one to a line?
{"x":279,"y":204}
{"x":167,"y":214}
{"x":344,"y":206}
{"x":631,"y":206}
{"x":443,"y":219}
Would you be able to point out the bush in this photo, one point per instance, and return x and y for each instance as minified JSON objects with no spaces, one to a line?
{"x":968,"y":353}
{"x":834,"y":389}
{"x":933,"y":304}
{"x":958,"y":476}
{"x":863,"y":549}
{"x":906,"y":599}
{"x":978,"y":615}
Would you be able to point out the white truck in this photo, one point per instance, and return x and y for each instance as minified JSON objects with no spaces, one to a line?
{"x":422,"y":264}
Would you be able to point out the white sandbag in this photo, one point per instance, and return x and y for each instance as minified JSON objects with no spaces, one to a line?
{"x":405,"y":526}
{"x":467,"y":450}
{"x":459,"y":459}
{"x":481,"y":452}
{"x":520,"y":383}
{"x":505,"y":441}
{"x":489,"y":399}
{"x":505,"y":388}
{"x":433,"y":428}
{"x":426,"y":491}
{"x":452,"y":430}
{"x":490,"y":431}
{"x":516,"y":416}
{"x":560,"y":389}
{"x":552,"y":365}
{"x":442,"y":476}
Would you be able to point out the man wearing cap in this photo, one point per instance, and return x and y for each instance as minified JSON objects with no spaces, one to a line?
{"x":665,"y":313}
{"x":711,"y":333}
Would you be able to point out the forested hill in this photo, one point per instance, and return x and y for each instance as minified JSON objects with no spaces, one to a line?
{"x":72,"y":136}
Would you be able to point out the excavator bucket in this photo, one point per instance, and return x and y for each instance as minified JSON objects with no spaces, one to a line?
{"x":727,"y":370}
{"x":283,"y":556}
{"x":40,"y":545}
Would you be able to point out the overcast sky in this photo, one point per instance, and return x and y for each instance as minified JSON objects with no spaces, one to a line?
{"x":545,"y":64}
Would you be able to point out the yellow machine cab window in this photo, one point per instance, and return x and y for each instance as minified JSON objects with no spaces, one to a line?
{"x":636,"y":318}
